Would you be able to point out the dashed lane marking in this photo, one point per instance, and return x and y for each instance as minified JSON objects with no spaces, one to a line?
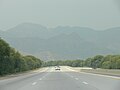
{"x":40,"y":79}
{"x":114,"y":77}
{"x":85,"y":83}
{"x":34,"y":83}
{"x":76,"y":78}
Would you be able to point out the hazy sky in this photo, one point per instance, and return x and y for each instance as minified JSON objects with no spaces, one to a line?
{"x":97,"y":14}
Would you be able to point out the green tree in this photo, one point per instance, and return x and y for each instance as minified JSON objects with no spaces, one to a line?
{"x":4,"y":57}
{"x":96,"y":61}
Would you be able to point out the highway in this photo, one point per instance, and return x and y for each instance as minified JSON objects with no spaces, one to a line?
{"x":65,"y":79}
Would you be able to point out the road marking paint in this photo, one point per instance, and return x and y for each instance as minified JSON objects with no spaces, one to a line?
{"x":114,"y":77}
{"x":43,"y":76}
{"x":40,"y":79}
{"x":85,"y":83}
{"x":34,"y":83}
{"x":76,"y":78}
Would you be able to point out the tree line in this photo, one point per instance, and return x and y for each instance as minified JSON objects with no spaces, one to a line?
{"x":11,"y":61}
{"x":73,"y":63}
{"x":99,"y":61}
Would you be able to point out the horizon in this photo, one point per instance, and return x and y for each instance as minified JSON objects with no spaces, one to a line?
{"x":112,"y":27}
{"x":99,"y":15}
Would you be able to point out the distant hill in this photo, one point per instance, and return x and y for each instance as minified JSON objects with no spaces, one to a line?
{"x":27,"y":30}
{"x":63,"y":42}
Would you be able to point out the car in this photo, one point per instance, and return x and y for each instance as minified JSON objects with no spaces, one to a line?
{"x":57,"y":68}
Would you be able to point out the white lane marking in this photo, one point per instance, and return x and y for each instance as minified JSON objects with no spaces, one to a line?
{"x":34,"y":83}
{"x":40,"y":79}
{"x":85,"y":83}
{"x":43,"y":77}
{"x":76,"y":78}
{"x":114,"y":77}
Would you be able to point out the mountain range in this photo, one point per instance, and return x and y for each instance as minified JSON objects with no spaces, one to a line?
{"x":62,"y":42}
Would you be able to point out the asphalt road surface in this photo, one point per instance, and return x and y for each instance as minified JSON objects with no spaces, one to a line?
{"x":65,"y":79}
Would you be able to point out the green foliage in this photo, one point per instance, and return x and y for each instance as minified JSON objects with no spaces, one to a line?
{"x":106,"y":65}
{"x":73,"y":63}
{"x":99,"y":61}
{"x":107,"y":62}
{"x":11,"y":61}
{"x":4,"y":56}
{"x":96,"y":61}
{"x":88,"y":62}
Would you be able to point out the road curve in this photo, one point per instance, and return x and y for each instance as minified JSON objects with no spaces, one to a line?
{"x":65,"y":79}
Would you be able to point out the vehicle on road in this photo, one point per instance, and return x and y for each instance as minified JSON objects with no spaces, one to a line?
{"x":57,"y":67}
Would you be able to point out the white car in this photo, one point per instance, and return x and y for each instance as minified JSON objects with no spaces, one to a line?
{"x":57,"y":68}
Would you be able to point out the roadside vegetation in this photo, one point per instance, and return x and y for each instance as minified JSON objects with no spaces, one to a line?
{"x":11,"y":61}
{"x":99,"y":61}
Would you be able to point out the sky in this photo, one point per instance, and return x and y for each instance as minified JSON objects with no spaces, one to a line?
{"x":97,"y":14}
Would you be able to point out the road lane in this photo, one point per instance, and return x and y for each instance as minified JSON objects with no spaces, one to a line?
{"x":16,"y":83}
{"x":60,"y":80}
{"x":102,"y":82}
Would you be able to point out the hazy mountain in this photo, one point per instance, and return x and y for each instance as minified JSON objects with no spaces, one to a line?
{"x":86,"y":33}
{"x":28,"y":30}
{"x":63,"y":42}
